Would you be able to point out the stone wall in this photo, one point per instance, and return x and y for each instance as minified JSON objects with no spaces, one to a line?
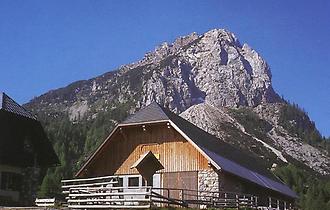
{"x":208,"y":180}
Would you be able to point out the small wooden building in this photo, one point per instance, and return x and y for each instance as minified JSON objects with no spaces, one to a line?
{"x":159,"y":148}
{"x":25,"y":153}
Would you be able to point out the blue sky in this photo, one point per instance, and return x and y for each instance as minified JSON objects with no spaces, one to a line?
{"x":45,"y":45}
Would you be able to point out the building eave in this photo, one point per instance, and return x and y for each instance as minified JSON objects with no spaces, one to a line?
{"x":195,"y":145}
{"x":89,"y":160}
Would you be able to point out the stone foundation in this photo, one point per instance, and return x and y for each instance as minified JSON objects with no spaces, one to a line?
{"x":208,"y":180}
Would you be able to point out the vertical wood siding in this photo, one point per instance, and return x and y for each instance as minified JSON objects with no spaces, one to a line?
{"x":181,"y":180}
{"x":128,"y":144}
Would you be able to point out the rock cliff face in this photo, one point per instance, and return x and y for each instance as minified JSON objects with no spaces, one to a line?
{"x":210,"y":79}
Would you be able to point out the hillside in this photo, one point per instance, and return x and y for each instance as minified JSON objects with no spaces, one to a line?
{"x":214,"y":81}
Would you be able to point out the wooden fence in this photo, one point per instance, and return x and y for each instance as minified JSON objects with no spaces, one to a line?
{"x":104,"y":192}
{"x":103,"y":181}
{"x":194,"y":198}
{"x":45,"y":202}
{"x":109,"y":197}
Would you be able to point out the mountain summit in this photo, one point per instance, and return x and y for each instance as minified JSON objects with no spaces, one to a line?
{"x":213,"y":68}
{"x":215,"y":82}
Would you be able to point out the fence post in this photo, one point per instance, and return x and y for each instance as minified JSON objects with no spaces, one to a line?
{"x":150,"y":196}
{"x":269,"y":202}
{"x":244,"y":201}
{"x":251,"y":203}
{"x":225,"y":199}
{"x":237,"y":201}
{"x":256,"y":201}
{"x":278,"y":204}
{"x":168,"y":195}
{"x":284,"y":205}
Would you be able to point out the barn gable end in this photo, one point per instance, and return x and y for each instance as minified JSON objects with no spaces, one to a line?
{"x":128,"y":143}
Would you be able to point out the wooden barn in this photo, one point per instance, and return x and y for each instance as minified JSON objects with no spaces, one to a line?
{"x":25,"y":153}
{"x":157,"y":148}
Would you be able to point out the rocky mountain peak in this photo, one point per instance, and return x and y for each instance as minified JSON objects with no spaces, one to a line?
{"x":212,"y":67}
{"x":212,"y":79}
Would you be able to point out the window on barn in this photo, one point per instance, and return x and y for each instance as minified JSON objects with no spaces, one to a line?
{"x":11,"y":181}
{"x":133,"y":181}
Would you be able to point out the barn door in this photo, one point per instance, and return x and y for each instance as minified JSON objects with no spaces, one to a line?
{"x":181,"y":180}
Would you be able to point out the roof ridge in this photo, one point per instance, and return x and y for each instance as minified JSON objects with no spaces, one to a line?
{"x":1,"y":99}
{"x":151,"y":112}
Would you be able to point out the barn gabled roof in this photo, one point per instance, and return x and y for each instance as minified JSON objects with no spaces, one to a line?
{"x":221,"y":154}
{"x":9,"y":105}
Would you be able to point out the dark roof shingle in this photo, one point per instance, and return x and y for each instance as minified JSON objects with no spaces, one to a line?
{"x":150,"y":113}
{"x":253,"y":176}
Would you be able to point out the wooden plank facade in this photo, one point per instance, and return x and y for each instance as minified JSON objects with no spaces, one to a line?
{"x":129,"y":143}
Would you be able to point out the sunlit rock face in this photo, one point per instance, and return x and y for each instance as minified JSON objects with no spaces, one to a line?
{"x":213,"y":67}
